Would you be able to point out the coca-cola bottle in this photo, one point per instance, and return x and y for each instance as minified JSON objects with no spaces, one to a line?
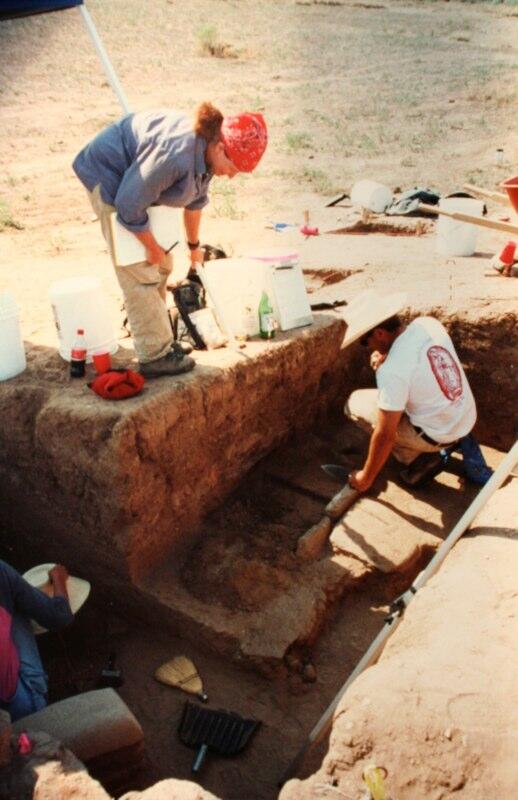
{"x":78,"y":355}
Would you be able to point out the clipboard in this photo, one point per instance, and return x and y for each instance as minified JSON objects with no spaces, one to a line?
{"x":165,"y":225}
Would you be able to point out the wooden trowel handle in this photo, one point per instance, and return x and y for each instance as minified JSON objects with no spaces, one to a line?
{"x":337,"y":507}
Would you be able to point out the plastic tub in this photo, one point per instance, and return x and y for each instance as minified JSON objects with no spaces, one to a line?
{"x":80,"y":303}
{"x":456,"y":238}
{"x":371,"y":195}
{"x":511,"y":187}
{"x":284,"y":285}
{"x":274,"y":255}
{"x":12,"y":353}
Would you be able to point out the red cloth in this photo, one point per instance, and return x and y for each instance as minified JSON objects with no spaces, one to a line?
{"x":9,"y":660}
{"x":245,"y":138}
{"x":118,"y":384}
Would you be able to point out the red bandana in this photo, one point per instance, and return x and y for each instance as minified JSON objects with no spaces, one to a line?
{"x":245,"y":138}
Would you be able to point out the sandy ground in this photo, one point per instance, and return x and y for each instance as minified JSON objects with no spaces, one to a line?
{"x":406,"y":93}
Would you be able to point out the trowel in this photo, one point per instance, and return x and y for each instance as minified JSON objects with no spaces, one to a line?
{"x":111,"y":676}
{"x":336,"y":472}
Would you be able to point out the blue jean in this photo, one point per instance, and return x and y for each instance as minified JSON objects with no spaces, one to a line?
{"x":31,"y":691}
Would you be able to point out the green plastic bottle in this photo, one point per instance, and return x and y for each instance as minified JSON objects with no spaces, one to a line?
{"x":266,"y":318}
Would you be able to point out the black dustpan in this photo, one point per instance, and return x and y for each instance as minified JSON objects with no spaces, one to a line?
{"x":223,"y":732}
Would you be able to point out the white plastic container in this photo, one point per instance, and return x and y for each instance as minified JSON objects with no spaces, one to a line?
{"x":454,"y":238}
{"x":371,"y":195}
{"x":12,"y":353}
{"x":284,"y":285}
{"x":80,"y":303}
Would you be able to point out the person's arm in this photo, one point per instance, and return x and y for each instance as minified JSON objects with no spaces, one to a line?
{"x":144,"y":181}
{"x":191,"y":221}
{"x":50,"y":612}
{"x":380,"y":446}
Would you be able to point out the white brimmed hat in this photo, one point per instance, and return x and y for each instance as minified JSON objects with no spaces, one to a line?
{"x":369,"y":309}
{"x":77,"y":589}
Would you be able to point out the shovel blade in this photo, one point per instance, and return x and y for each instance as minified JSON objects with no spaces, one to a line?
{"x":336,"y":472}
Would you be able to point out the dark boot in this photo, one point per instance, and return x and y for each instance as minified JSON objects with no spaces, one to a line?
{"x":423,"y":468}
{"x":171,"y":364}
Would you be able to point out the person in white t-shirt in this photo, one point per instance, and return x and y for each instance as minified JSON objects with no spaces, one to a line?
{"x":423,"y":403}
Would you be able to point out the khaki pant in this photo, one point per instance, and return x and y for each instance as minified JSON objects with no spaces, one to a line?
{"x":144,"y":289}
{"x":362,"y":408}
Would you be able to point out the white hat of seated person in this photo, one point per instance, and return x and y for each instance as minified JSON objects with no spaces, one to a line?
{"x":77,"y":588}
{"x":368,"y":310}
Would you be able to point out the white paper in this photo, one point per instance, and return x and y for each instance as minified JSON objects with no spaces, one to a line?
{"x":165,"y":225}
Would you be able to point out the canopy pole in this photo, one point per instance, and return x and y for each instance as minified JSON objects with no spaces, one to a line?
{"x":110,"y":72}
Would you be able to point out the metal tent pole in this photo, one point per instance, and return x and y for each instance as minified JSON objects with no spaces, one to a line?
{"x":110,"y":72}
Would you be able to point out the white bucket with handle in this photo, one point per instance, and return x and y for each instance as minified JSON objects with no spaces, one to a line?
{"x":81,"y":303}
{"x":12,"y":353}
{"x":455,"y":238}
{"x":371,"y":195}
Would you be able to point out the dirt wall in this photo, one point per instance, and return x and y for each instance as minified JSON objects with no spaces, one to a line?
{"x":117,"y":485}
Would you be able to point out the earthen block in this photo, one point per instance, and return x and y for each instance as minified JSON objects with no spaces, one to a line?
{"x":91,"y":725}
{"x":313,"y":540}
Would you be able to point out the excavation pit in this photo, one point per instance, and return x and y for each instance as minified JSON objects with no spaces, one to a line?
{"x":202,"y":501}
{"x":112,"y":488}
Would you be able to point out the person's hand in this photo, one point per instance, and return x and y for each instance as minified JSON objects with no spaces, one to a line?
{"x":197,"y":256}
{"x":58,"y":576}
{"x":58,"y":572}
{"x":358,"y":481}
{"x":155,"y":254}
{"x":377,"y":359}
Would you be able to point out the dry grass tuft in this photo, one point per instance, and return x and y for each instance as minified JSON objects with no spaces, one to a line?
{"x":209,"y":45}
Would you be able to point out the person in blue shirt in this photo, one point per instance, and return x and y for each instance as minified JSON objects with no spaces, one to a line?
{"x":23,"y":682}
{"x":162,"y":158}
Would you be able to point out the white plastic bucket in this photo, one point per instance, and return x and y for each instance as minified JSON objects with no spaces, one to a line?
{"x":80,"y":303}
{"x":371,"y":195}
{"x":284,"y":285}
{"x":12,"y":353}
{"x":456,"y":238}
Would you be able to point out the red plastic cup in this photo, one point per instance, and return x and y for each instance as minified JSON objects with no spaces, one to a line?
{"x":507,"y":255}
{"x":102,"y":362}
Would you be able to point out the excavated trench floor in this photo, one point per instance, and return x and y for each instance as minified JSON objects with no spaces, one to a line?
{"x":243,"y":588}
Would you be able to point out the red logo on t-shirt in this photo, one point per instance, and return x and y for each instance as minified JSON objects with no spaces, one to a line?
{"x":446,"y":371}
